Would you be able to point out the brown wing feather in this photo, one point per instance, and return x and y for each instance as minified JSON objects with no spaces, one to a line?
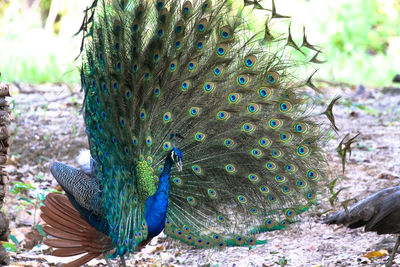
{"x":71,"y":234}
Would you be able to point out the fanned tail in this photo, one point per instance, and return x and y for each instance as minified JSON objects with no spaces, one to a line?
{"x":72,"y":235}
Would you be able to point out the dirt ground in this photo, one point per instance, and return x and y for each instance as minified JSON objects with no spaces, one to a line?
{"x":48,"y":127}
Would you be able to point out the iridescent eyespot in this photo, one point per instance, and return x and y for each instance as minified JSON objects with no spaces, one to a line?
{"x":265,"y":142}
{"x":196,"y":169}
{"x":253,"y":210}
{"x":253,"y":108}
{"x":239,"y":240}
{"x":312,"y":175}
{"x":301,"y":184}
{"x":200,"y":44}
{"x":156,"y":91}
{"x":221,"y":245}
{"x":115,"y":85}
{"x":185,"y":85}
{"x":248,"y":127}
{"x":128,"y":94}
{"x":206,"y":4}
{"x":218,"y":71}
{"x":209,"y":87}
{"x":191,"y":200}
{"x":202,"y":25}
{"x":251,"y":241}
{"x":178,"y":43}
{"x":167,"y":117}
{"x":249,"y":61}
{"x":179,"y":27}
{"x":149,"y":160}
{"x":257,"y":153}
{"x":290,"y":168}
{"x":199,"y":136}
{"x":301,"y":127}
{"x":194,"y":111}
{"x":285,"y":137}
{"x":303,"y":150}
{"x":242,"y":199}
{"x":242,"y":79}
{"x":229,"y":143}
{"x":226,"y":33}
{"x":135,"y":67}
{"x":104,"y":86}
{"x":223,"y":115}
{"x":310,"y":196}
{"x":264,"y":189}
{"x":167,"y":146}
{"x":274,"y":123}
{"x":134,"y":140}
{"x":290,"y":213}
{"x":221,"y":50}
{"x":234,"y":98}
{"x":186,"y":229}
{"x":172,"y":65}
{"x":148,"y":141}
{"x":285,"y":106}
{"x":276,"y":153}
{"x":272,"y":199}
{"x":114,"y":140}
{"x":212,"y":193}
{"x":230,"y":168}
{"x":142,"y":114}
{"x":192,"y":65}
{"x":135,"y":26}
{"x":269,"y":223}
{"x":272,"y":77}
{"x":270,"y":166}
{"x":187,"y":7}
{"x":118,"y":66}
{"x":279,"y":178}
{"x":160,"y":32}
{"x":285,"y":190}
{"x":253,"y":177}
{"x":156,"y":57}
{"x":160,"y":4}
{"x":177,"y":181}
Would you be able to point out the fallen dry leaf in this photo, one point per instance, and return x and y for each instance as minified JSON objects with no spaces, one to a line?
{"x":376,"y":254}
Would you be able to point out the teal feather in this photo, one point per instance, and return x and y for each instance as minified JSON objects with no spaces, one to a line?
{"x":160,"y":75}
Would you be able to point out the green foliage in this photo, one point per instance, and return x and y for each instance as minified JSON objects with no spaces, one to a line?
{"x":31,"y":54}
{"x":20,"y":188}
{"x":359,"y":34}
{"x":10,"y":247}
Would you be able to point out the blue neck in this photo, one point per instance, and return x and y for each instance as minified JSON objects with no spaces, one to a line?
{"x":157,"y":204}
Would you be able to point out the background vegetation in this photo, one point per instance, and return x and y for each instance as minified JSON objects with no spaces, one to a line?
{"x":360,"y":39}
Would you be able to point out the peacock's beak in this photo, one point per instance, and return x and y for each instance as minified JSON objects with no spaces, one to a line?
{"x":179,"y":165}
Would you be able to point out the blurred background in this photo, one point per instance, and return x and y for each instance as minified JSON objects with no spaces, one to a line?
{"x":360,"y":39}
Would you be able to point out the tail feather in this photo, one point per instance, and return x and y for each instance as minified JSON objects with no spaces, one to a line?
{"x":67,"y":252}
{"x":72,"y":235}
{"x":82,"y":260}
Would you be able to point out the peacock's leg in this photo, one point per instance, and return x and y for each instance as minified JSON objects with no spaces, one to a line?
{"x":123,"y":263}
{"x":396,"y":246}
{"x":109,"y":264}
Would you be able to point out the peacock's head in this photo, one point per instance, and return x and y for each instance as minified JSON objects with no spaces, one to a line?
{"x":176,"y":157}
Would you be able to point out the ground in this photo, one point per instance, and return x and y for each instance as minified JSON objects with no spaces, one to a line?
{"x":48,"y":126}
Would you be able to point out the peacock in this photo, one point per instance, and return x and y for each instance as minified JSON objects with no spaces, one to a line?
{"x":197,"y":126}
{"x":378,"y":213}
